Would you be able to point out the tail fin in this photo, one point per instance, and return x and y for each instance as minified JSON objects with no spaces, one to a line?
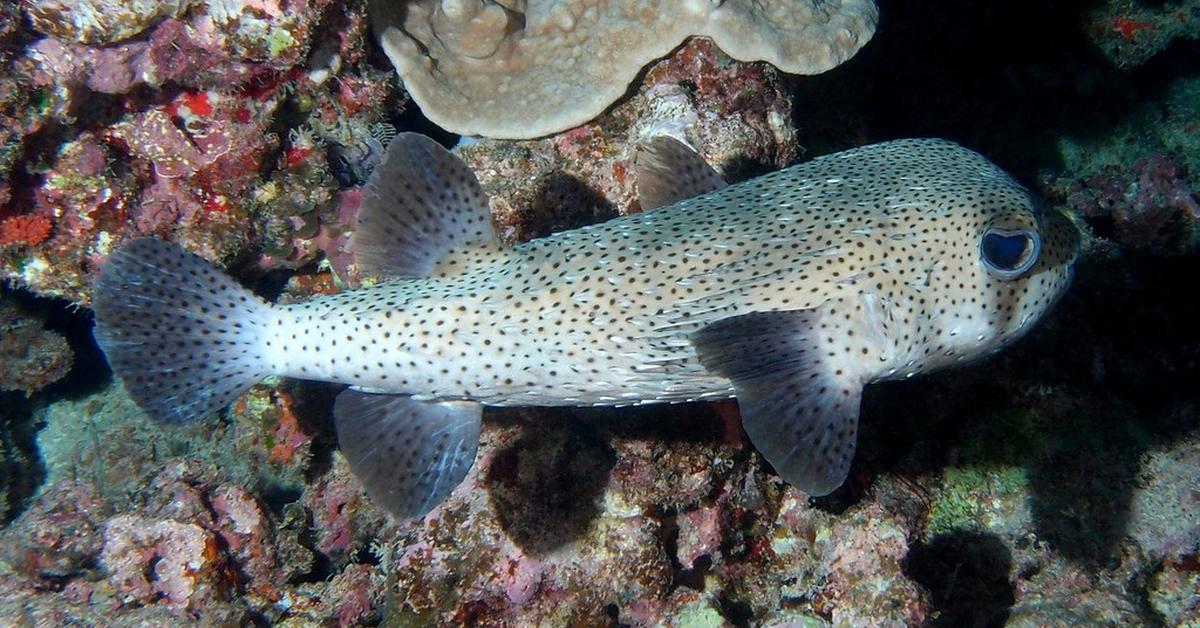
{"x":183,"y":336}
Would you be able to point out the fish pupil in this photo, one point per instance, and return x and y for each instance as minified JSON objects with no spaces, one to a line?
{"x":1006,"y":251}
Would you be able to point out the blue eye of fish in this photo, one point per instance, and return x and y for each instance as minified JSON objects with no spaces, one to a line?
{"x":1010,"y":253}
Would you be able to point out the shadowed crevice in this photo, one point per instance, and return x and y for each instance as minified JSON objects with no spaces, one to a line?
{"x":967,"y":575}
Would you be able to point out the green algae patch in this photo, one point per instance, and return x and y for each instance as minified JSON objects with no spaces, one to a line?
{"x":977,"y":498}
{"x":700,"y":618}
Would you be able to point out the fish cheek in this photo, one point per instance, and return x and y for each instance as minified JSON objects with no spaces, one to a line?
{"x":799,"y":405}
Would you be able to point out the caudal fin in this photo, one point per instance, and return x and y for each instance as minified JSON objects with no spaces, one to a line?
{"x":182,"y":335}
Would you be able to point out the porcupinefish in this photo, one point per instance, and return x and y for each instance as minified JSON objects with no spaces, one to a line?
{"x":790,"y":292}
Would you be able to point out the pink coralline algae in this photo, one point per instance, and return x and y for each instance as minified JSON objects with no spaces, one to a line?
{"x":193,"y":545}
{"x":194,"y":160}
{"x":214,"y":44}
{"x":245,"y":531}
{"x":1150,"y":206}
{"x":579,"y":527}
{"x":199,"y":186}
{"x":184,"y":140}
{"x":174,"y":153}
{"x":355,"y":594}
{"x":99,"y":21}
{"x":343,"y":518}
{"x":113,"y":70}
{"x":58,"y":536}
{"x":864,"y":557}
{"x":147,"y":560}
{"x":82,"y":194}
{"x":701,"y":532}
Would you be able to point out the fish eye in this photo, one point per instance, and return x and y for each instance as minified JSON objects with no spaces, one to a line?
{"x":1010,"y":252}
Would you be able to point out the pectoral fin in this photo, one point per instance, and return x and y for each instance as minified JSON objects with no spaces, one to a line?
{"x":799,"y":407}
{"x":408,"y":454}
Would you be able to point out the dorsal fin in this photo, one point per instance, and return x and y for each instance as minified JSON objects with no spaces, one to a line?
{"x":420,"y":204}
{"x":669,"y":171}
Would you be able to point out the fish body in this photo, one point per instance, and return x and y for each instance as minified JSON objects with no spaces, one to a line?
{"x":790,"y":291}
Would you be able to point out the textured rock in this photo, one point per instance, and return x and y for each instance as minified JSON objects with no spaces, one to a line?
{"x":100,"y":21}
{"x":58,"y":537}
{"x":31,"y":357}
{"x":1131,"y":33}
{"x":148,"y":559}
{"x":517,"y":69}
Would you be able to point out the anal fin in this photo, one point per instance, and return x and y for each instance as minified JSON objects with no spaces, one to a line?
{"x":669,"y":171}
{"x":408,"y":454}
{"x":799,"y":409}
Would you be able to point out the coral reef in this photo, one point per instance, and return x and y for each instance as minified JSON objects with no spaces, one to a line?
{"x":100,"y":21}
{"x":225,"y":126}
{"x":58,"y":537}
{"x":574,"y":526}
{"x":24,"y":230}
{"x":1054,"y":484}
{"x":736,"y":114}
{"x":520,"y":70}
{"x":1136,"y":184}
{"x":1149,"y":206}
{"x":1131,"y":33}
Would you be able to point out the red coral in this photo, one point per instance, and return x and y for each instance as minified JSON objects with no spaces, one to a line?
{"x":1129,"y":27}
{"x":290,"y":438}
{"x":24,"y":230}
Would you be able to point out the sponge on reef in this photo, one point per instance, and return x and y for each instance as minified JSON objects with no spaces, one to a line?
{"x":518,"y":69}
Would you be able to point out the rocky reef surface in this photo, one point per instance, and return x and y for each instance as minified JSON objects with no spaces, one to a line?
{"x":1053,"y":484}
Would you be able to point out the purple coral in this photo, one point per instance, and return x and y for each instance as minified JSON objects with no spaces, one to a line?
{"x":1150,"y":206}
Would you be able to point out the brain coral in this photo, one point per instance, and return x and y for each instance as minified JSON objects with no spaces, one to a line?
{"x":526,"y":68}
